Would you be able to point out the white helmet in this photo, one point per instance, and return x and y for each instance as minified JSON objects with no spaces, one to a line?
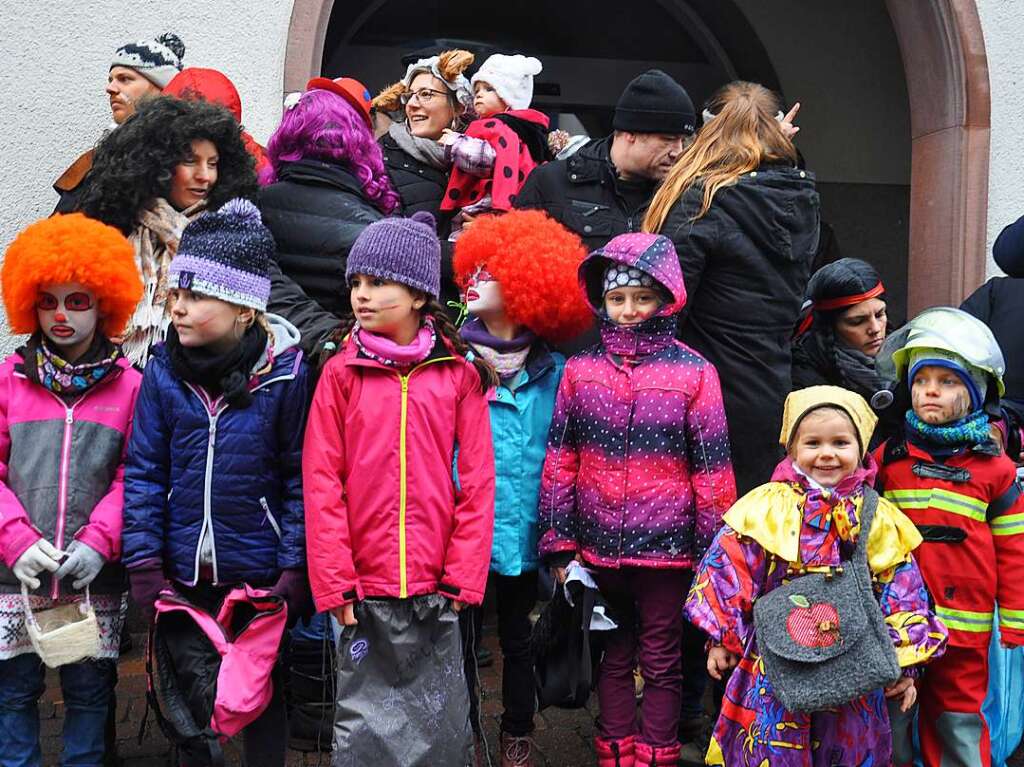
{"x":948,"y":330}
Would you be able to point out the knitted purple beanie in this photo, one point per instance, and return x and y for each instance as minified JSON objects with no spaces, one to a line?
{"x":226,"y":254}
{"x":404,"y":250}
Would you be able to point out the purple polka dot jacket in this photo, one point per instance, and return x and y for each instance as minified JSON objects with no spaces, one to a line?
{"x":638,"y":470}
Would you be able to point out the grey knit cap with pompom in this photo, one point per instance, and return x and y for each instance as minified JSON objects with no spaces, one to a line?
{"x":404,"y":250}
{"x":226,"y":254}
{"x":157,"y":60}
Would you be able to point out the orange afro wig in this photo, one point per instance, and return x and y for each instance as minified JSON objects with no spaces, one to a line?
{"x":535,"y":259}
{"x":71,"y":248}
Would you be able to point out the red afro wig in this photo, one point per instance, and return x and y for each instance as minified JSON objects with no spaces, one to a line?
{"x":535,"y":259}
{"x":71,"y":248}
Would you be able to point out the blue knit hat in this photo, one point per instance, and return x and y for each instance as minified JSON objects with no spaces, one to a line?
{"x":404,"y":250}
{"x":226,"y":254}
{"x":970,"y":376}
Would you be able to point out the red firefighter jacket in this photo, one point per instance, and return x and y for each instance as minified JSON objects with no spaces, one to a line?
{"x":970,"y":512}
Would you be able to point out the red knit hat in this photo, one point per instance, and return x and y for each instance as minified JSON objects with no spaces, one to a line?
{"x":71,"y":248}
{"x":353,"y":91}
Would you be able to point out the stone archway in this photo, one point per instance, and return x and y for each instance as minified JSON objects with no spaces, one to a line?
{"x":947,"y":80}
{"x":946,"y":71}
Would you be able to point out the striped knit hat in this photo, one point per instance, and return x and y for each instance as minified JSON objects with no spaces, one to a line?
{"x":226,"y":255}
{"x":157,"y":60}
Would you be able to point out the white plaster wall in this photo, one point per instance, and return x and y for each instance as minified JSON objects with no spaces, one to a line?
{"x":1001,"y":24}
{"x":56,"y":55}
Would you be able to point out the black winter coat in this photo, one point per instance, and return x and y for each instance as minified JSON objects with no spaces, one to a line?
{"x":315,"y":211}
{"x":999,"y":303}
{"x":420,"y":186}
{"x":580,"y":193}
{"x":746,"y":264}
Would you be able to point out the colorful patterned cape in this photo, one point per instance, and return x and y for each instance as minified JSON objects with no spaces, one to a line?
{"x":769,"y":532}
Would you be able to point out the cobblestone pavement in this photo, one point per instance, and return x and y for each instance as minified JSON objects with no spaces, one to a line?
{"x":563,"y":738}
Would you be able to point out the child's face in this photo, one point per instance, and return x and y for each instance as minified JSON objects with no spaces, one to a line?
{"x":206,"y":321}
{"x":483,"y":294}
{"x":486,"y":101}
{"x":68,"y":315}
{"x":631,"y":306}
{"x":387,"y":308}
{"x":195,"y":176}
{"x":938,"y":395}
{"x":825,"y":447}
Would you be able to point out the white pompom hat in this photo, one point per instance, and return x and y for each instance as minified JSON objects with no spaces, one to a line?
{"x":511,"y":76}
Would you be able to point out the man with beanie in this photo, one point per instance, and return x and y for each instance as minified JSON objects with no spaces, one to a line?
{"x":604,"y":189}
{"x":138,"y":70}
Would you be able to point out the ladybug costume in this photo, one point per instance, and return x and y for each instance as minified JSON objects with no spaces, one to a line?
{"x":519,"y":140}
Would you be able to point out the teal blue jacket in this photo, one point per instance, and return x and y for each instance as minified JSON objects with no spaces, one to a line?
{"x":520,"y":417}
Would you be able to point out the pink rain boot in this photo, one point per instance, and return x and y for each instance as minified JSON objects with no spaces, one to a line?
{"x":662,"y":756}
{"x":615,"y":753}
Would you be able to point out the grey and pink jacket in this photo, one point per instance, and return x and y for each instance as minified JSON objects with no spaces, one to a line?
{"x":637,"y":471}
{"x":62,"y":471}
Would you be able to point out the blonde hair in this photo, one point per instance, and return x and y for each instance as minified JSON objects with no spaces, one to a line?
{"x":743,"y":134}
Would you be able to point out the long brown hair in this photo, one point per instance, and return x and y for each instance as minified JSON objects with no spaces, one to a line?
{"x":442,"y":324}
{"x":743,"y":134}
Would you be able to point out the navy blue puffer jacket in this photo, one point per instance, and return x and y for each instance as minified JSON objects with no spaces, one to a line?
{"x":199,"y":469}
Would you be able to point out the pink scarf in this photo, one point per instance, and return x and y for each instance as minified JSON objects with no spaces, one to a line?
{"x":387,"y":352}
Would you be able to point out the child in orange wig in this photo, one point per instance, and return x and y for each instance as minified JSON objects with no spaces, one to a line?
{"x":66,"y":403}
{"x":518,"y":272}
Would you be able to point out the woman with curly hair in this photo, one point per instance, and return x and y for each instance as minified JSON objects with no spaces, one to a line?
{"x":519,"y":274}
{"x":168,"y":163}
{"x":325,"y":184}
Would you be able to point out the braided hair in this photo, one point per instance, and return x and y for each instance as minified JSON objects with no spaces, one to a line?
{"x":336,"y":340}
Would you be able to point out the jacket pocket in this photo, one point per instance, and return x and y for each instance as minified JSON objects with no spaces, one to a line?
{"x":589,"y":218}
{"x":270,"y":517}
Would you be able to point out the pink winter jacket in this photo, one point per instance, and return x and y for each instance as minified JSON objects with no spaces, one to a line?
{"x":384,"y":517}
{"x":62,"y":469}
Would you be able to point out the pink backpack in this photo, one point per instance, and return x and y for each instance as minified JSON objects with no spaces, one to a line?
{"x":209,"y":675}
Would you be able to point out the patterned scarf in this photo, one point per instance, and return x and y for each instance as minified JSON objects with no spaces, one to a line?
{"x":155,"y":241}
{"x":506,"y":357}
{"x":970,"y":430}
{"x":65,"y":379}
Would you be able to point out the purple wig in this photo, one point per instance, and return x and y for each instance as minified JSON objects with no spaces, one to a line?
{"x":322,"y":126}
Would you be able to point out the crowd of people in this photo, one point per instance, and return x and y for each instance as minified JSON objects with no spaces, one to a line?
{"x":421,"y":348}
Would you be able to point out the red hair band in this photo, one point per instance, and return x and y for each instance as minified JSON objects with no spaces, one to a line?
{"x":842,"y":302}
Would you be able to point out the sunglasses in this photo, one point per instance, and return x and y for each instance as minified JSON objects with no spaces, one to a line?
{"x":481,"y":275}
{"x":73,"y":302}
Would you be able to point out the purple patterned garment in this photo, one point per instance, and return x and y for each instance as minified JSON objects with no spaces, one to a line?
{"x":754,"y":730}
{"x":637,"y":470}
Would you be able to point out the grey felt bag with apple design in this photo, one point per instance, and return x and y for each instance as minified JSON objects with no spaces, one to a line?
{"x":822,"y":636}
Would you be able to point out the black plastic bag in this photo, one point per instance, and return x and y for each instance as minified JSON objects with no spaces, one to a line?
{"x":402,"y":699}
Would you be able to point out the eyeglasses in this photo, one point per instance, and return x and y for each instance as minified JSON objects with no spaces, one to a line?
{"x":481,"y":275}
{"x":423,"y":95}
{"x":73,"y":302}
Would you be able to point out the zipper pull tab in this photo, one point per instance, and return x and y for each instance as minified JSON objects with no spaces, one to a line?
{"x":405,"y":383}
{"x":69,"y":417}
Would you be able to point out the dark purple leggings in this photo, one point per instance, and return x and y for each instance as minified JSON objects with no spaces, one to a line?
{"x":648,"y":607}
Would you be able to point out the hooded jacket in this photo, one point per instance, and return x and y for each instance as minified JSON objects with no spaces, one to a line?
{"x":999,"y":303}
{"x":62,"y":470}
{"x":637,"y":471}
{"x":746,"y":263}
{"x":198,"y":468}
{"x":315,"y":210}
{"x":384,"y":514}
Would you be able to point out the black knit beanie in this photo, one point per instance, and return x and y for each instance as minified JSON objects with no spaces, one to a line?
{"x":655,"y":103}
